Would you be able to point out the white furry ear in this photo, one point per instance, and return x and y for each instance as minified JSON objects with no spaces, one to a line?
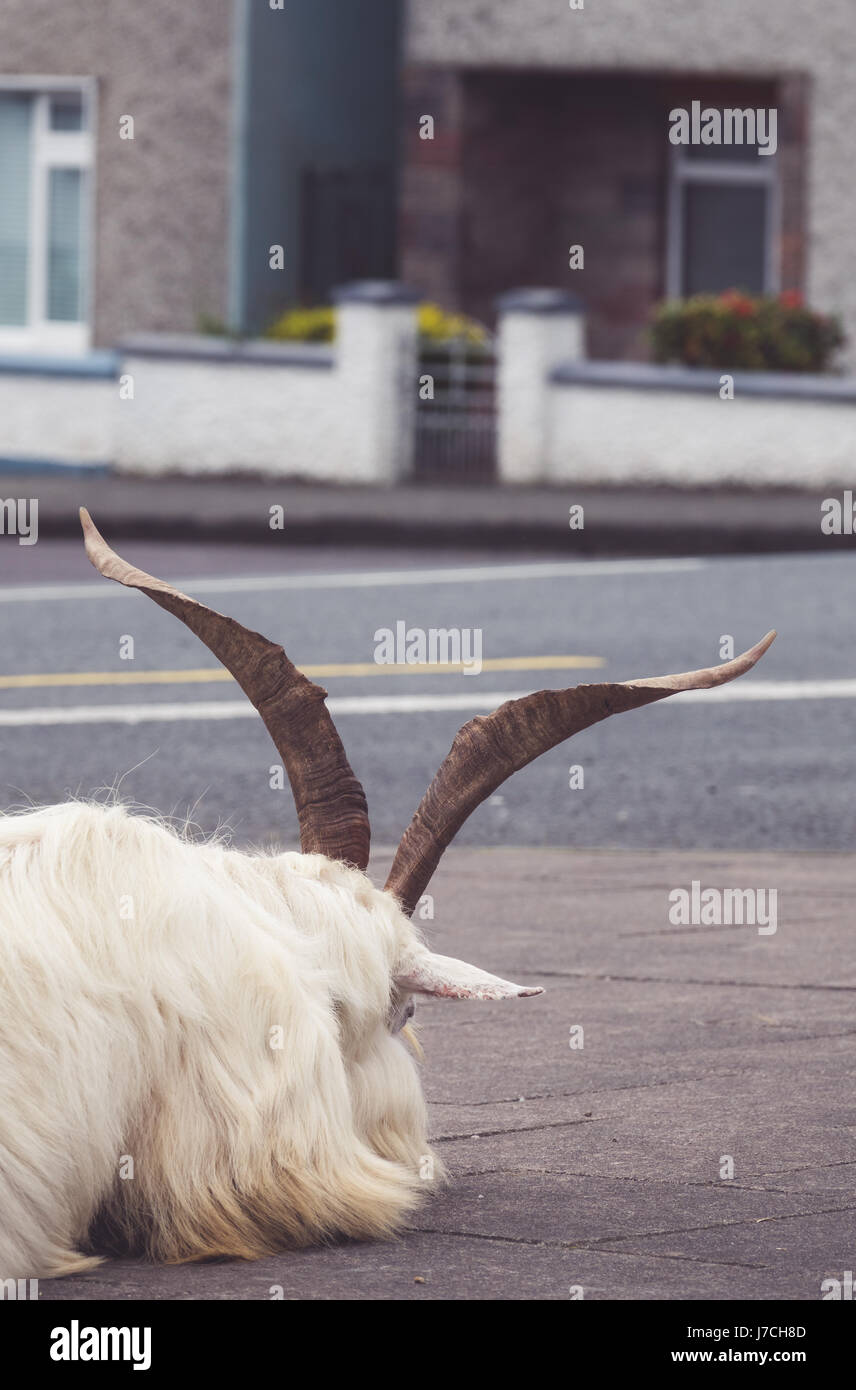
{"x":448,"y":978}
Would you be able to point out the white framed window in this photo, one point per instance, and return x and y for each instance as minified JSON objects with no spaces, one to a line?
{"x":46,"y":168}
{"x":723,"y":221}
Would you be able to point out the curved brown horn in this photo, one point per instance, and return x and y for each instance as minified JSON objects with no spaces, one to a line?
{"x":490,"y":748}
{"x":331,"y":804}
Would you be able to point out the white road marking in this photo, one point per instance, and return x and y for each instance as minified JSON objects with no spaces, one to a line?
{"x":270,"y":583}
{"x":775,"y":690}
{"x":396,"y":704}
{"x":242,"y":709}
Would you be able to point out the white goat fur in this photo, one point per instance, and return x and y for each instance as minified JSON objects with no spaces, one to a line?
{"x":149,"y":1036}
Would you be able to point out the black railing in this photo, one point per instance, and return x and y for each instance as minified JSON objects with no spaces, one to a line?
{"x":456,"y":415}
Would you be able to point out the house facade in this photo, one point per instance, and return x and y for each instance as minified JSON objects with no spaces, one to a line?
{"x":169,"y":167}
{"x":551,"y":155}
{"x":154,"y":157}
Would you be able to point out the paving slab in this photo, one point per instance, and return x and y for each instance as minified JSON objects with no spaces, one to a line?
{"x":432,"y":1267}
{"x":602,"y":1166}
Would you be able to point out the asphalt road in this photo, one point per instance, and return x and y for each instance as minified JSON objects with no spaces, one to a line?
{"x":716,"y":772}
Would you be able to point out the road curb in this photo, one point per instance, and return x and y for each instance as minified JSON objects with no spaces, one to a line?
{"x":640,"y":521}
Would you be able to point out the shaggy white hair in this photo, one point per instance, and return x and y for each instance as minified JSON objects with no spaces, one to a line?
{"x":222,"y":1020}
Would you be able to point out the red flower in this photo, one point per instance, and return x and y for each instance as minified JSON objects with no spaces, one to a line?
{"x":791,"y":299}
{"x":739,"y":304}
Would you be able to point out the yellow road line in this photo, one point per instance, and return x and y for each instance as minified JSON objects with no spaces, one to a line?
{"x":210,"y":674}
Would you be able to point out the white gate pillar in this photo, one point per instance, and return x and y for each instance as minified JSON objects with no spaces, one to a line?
{"x":377,"y":362}
{"x":537,"y":330}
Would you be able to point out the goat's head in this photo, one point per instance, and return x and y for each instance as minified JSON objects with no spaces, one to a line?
{"x":330,"y":801}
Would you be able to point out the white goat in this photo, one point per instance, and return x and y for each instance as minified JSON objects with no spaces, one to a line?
{"x":220,"y":1070}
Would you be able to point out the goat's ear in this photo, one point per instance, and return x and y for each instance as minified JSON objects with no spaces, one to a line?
{"x":448,"y":978}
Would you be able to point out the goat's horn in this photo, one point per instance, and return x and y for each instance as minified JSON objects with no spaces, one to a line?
{"x":331,"y":804}
{"x":490,"y":748}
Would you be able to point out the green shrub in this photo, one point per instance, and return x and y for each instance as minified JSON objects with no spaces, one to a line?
{"x":211,"y":325}
{"x":733,"y":329}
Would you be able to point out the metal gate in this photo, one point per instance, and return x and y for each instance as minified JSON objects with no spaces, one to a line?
{"x":456,"y":415}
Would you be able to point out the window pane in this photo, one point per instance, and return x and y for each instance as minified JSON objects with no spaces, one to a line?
{"x":66,"y":111}
{"x":65,"y":245}
{"x":15,"y":113}
{"x":724,"y":231}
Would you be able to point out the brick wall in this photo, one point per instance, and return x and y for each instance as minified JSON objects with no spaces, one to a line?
{"x":431,"y":183}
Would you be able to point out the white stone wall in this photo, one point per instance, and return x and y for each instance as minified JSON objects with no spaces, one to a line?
{"x":57,"y":419}
{"x":611,"y":434}
{"x":191,"y":416}
{"x":195,"y":405}
{"x":751,"y":38}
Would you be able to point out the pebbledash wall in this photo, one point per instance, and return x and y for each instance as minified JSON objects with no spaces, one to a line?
{"x":176,"y":403}
{"x":162,"y":201}
{"x":807,"y":51}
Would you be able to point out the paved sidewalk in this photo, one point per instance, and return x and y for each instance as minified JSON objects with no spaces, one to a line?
{"x":600,"y":1167}
{"x":620,"y":521}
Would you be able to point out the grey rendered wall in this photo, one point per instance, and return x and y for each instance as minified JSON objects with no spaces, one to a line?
{"x":162,"y":200}
{"x":741,"y":37}
{"x":322,"y":80}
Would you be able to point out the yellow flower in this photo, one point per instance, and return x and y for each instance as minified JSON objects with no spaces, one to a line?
{"x":318,"y":325}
